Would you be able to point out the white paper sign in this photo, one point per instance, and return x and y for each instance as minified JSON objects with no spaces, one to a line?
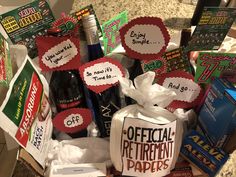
{"x":101,"y":74}
{"x":147,"y":149}
{"x":60,"y":54}
{"x":145,"y":39}
{"x":73,"y":120}
{"x":186,"y":89}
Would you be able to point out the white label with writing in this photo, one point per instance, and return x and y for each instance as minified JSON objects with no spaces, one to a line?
{"x":60,"y":54}
{"x":186,"y":89}
{"x":147,"y":149}
{"x":73,"y":120}
{"x":145,"y":39}
{"x":101,"y":74}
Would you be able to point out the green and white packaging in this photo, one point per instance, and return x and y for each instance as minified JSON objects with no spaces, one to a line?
{"x":25,"y":113}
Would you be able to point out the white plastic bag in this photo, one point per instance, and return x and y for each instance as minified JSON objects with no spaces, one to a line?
{"x":145,"y":139}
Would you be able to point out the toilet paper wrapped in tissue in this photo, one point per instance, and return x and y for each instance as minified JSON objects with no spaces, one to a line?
{"x":145,"y":138}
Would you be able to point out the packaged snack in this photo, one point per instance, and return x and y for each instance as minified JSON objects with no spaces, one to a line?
{"x":145,"y":139}
{"x":25,"y":113}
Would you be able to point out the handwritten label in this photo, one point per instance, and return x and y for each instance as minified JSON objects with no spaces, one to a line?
{"x":188,"y":92}
{"x":72,"y":120}
{"x":210,"y":65}
{"x":185,"y":89}
{"x":101,"y":74}
{"x":147,"y":148}
{"x":111,"y":35}
{"x":58,"y":53}
{"x":145,"y":38}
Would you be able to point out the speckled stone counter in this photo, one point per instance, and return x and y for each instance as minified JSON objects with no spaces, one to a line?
{"x":175,"y":15}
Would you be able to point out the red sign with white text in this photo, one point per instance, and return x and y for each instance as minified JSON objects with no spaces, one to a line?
{"x":188,"y":92}
{"x":31,"y":109}
{"x":58,"y":53}
{"x":145,"y":38}
{"x":72,"y":120}
{"x":101,"y":74}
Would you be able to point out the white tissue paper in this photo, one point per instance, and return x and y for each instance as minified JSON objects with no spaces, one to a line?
{"x":145,"y":138}
{"x":79,"y":157}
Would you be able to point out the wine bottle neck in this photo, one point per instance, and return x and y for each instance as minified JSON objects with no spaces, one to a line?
{"x":92,"y":35}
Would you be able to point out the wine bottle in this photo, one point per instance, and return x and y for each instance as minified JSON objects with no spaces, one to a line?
{"x":66,"y":90}
{"x":106,"y":103}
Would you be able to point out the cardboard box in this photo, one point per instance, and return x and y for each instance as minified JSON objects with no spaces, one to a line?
{"x":197,"y":151}
{"x":217,"y":116}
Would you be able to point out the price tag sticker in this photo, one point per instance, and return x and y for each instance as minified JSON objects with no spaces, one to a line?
{"x":188,"y":92}
{"x":101,"y":74}
{"x":145,"y":38}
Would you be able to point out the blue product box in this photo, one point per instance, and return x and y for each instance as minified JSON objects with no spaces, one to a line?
{"x":217,"y":117}
{"x":198,"y":151}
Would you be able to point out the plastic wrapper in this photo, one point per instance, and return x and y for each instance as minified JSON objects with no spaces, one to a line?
{"x":145,"y":138}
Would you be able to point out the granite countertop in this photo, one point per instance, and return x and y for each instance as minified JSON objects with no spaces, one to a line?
{"x":175,"y":15}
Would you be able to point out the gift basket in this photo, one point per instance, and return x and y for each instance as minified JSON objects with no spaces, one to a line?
{"x":126,"y":97}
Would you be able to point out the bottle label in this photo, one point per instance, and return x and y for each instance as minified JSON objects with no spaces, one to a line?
{"x":145,"y":38}
{"x":68,"y":105}
{"x":71,"y":102}
{"x":101,"y":74}
{"x":107,"y":111}
{"x":58,"y":53}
